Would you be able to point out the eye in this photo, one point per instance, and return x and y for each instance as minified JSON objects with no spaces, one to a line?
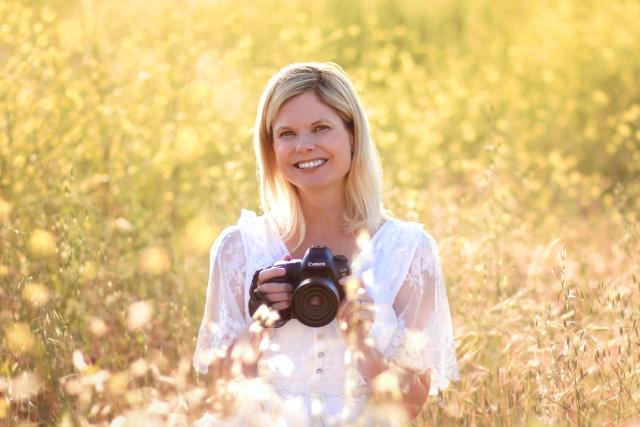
{"x":320,"y":128}
{"x":285,"y":133}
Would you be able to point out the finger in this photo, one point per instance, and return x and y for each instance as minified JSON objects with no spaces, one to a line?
{"x":360,"y":290}
{"x":287,"y":257}
{"x":281,"y":305}
{"x":343,"y":280}
{"x":341,"y":307}
{"x":349,"y":284}
{"x":354,"y":306}
{"x":272,"y":287}
{"x":270,"y":273}
{"x":278,"y":296}
{"x":361,"y":316}
{"x":361,"y":293}
{"x":349,"y":307}
{"x":358,"y":304}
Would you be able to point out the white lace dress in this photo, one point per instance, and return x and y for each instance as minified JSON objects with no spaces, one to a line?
{"x":305,"y":367}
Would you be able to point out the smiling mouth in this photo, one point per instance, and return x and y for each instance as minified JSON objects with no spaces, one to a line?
{"x":311,"y":164}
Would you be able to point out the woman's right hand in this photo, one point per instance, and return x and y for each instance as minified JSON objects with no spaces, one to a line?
{"x":279,"y":294}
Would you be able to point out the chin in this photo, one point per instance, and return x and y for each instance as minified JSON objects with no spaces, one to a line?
{"x":318,"y":186}
{"x":306,"y":186}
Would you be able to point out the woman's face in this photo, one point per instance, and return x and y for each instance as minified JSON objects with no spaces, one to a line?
{"x":312,"y":146}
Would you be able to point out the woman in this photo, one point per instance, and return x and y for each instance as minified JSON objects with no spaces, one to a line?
{"x":320,"y":184}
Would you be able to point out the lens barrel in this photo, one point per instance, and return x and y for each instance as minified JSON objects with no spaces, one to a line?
{"x":315,"y":301}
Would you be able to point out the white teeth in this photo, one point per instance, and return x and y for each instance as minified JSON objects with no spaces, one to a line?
{"x":310,"y":164}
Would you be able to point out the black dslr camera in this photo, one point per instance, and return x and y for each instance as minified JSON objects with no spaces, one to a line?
{"x":316,"y":291}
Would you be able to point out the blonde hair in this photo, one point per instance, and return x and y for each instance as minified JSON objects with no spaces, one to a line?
{"x":364,"y":180}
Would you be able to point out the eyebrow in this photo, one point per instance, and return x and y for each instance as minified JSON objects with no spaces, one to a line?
{"x":279,"y":128}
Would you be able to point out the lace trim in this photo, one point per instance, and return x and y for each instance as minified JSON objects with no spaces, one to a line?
{"x":261,"y":246}
{"x":433,"y":348}
{"x":383,"y":327}
{"x":415,"y":350}
{"x":397,"y":251}
{"x":410,"y":349}
{"x":214,"y":338}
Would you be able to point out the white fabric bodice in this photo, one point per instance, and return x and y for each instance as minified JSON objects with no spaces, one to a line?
{"x":402,"y":273}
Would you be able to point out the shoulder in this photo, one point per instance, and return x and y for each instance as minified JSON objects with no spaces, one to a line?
{"x":250,"y":220}
{"x":228,"y":241}
{"x":428,"y":244}
{"x":412,"y":230}
{"x":413,"y":234}
{"x":249,"y":230}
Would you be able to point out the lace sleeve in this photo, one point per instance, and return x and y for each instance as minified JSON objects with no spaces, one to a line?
{"x":224,"y":318}
{"x":424,"y":338}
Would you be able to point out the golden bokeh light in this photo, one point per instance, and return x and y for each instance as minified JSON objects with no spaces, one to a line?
{"x":154,"y":260}
{"x":5,"y":210}
{"x":97,"y":326}
{"x":36,"y":294}
{"x":19,"y":339}
{"x":26,"y":385}
{"x":139,"y":314}
{"x":198,"y":236}
{"x":42,"y":244}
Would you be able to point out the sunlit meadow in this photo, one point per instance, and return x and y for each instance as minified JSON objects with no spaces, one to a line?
{"x":511,"y":129}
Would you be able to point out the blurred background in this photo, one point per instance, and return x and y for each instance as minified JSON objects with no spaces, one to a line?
{"x":511,"y":129}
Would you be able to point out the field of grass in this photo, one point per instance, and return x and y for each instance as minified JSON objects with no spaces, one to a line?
{"x":510,"y":128}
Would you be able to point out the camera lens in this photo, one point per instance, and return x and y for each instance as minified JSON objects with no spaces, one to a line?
{"x":315,"y":301}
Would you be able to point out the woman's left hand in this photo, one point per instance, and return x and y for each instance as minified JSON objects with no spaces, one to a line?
{"x":355,"y":314}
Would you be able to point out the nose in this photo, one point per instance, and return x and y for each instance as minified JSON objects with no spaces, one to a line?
{"x":305,"y":144}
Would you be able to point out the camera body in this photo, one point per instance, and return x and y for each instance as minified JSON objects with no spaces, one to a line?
{"x":316,"y":291}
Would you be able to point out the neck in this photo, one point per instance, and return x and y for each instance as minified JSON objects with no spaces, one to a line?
{"x":323,"y":211}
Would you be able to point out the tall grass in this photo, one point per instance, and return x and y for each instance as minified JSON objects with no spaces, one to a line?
{"x":511,"y":129}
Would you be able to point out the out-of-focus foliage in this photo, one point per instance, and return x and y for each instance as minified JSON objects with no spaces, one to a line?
{"x":510,"y":128}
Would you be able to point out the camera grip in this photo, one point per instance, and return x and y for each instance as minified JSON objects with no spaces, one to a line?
{"x":256,"y":299}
